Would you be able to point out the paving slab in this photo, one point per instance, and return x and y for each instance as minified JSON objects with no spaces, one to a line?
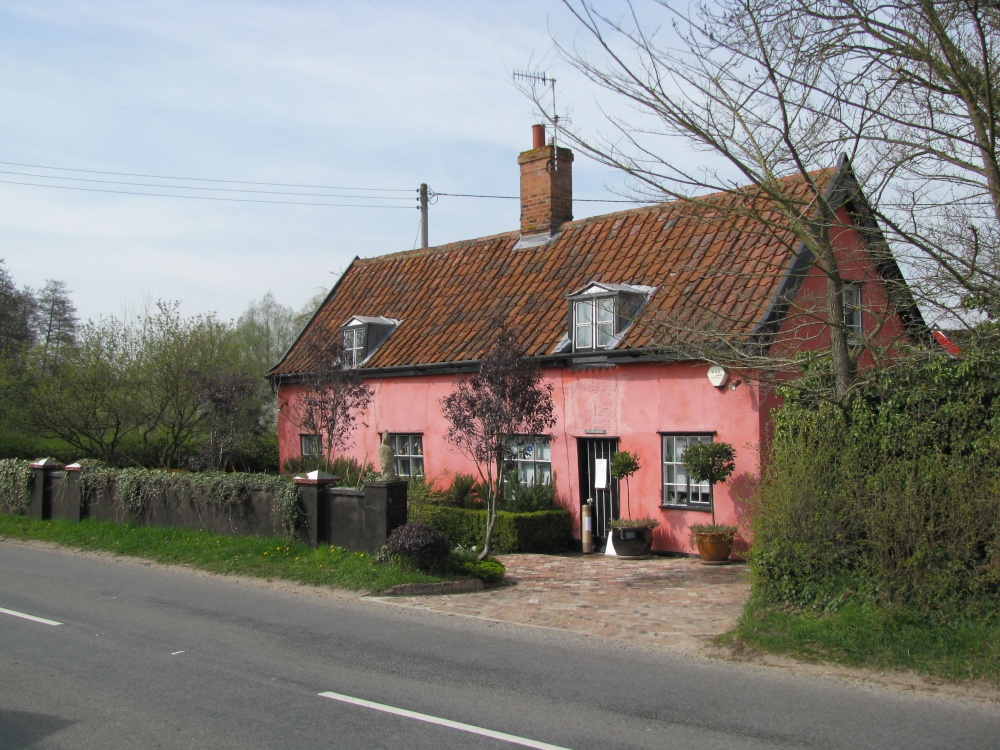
{"x":672,"y":602}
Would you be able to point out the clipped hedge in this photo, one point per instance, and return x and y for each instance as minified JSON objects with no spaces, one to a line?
{"x":543,"y":531}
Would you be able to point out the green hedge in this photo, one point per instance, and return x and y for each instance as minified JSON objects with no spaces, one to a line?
{"x":543,"y":531}
{"x":893,"y":500}
{"x":15,"y":485}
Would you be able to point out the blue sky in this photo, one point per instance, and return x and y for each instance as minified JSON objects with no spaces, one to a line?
{"x":377,"y":94}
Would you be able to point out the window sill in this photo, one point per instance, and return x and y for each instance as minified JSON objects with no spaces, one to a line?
{"x":697,"y":509}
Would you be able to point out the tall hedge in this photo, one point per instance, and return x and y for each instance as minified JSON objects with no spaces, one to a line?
{"x":895,"y":500}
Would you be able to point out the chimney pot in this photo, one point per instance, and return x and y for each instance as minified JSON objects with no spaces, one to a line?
{"x":546,"y":186}
{"x":537,"y":136}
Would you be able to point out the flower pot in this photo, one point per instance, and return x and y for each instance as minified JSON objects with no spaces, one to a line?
{"x":714,"y":547}
{"x":632,"y":542}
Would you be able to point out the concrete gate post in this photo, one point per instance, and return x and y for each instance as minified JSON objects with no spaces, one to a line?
{"x":310,"y":486}
{"x":46,"y":472}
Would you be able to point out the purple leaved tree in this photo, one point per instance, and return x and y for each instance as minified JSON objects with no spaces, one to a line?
{"x":334,"y":396}
{"x":489,"y":409}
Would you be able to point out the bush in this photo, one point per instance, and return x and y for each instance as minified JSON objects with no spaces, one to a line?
{"x":528,"y":498}
{"x":465,"y":491}
{"x":15,"y":485}
{"x":893,"y":501}
{"x":489,"y":571}
{"x":545,"y":531}
{"x":420,"y":545}
{"x":421,"y":491}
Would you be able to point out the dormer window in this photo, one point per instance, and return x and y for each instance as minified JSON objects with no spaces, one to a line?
{"x":600,"y":314}
{"x":354,"y":345}
{"x":363,"y":335}
{"x":594,"y":323}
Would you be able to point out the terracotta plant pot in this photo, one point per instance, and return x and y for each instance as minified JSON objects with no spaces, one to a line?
{"x":714,"y":548}
{"x":632,"y":541}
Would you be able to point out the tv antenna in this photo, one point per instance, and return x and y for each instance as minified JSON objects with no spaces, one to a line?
{"x":545,"y":80}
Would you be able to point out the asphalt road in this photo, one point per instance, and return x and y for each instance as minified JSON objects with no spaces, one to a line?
{"x":147,"y":657}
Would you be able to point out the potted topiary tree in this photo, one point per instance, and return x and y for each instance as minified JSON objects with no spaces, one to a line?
{"x":712,"y":463}
{"x":631,"y":537}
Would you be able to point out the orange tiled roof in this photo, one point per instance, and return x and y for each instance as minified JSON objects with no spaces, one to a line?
{"x":697,"y":257}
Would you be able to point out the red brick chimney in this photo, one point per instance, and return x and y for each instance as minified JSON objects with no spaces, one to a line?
{"x":546,"y":186}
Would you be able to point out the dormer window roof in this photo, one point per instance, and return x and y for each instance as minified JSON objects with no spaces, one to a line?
{"x":600,"y":314}
{"x":363,"y":335}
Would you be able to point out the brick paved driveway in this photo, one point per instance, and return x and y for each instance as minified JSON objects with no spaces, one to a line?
{"x":672,"y":602}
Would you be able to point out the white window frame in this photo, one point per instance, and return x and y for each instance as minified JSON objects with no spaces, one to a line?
{"x":851,"y":296}
{"x":594,"y":316}
{"x":678,"y":491}
{"x":305,"y":440}
{"x":409,"y":450}
{"x":355,"y":338}
{"x":531,"y":457}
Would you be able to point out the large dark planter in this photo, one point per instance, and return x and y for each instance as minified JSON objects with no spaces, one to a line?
{"x":632,"y":541}
{"x":714,"y":547}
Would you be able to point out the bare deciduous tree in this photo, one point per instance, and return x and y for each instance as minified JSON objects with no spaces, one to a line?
{"x":334,"y":395}
{"x":773,"y":92}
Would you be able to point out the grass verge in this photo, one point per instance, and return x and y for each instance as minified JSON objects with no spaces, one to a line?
{"x":861,"y":635}
{"x":260,"y":557}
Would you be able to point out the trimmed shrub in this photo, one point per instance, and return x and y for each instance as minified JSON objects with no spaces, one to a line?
{"x":489,"y":571}
{"x":423,"y":546}
{"x":544,"y":531}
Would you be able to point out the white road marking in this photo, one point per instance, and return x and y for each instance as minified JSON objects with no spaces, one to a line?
{"x":513,"y":739}
{"x":23,"y":616}
{"x":176,"y":652}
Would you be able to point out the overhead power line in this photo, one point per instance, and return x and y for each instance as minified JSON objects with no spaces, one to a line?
{"x":213,"y":189}
{"x":575,"y":200}
{"x":220,"y":181}
{"x":201,"y":197}
{"x":205,"y":179}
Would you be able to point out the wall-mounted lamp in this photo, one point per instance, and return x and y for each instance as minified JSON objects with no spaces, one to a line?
{"x":735,"y":384}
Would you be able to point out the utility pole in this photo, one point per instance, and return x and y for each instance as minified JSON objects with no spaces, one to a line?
{"x":423,"y":215}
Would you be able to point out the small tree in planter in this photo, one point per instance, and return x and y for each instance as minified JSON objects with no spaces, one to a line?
{"x":712,"y":463}
{"x":633,"y":537}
